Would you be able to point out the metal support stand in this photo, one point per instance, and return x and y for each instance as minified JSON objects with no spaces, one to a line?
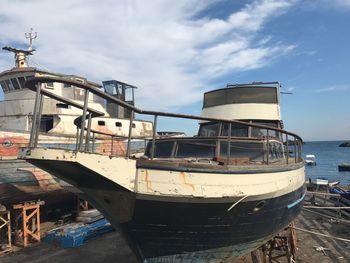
{"x":30,"y":218}
{"x":5,"y":230}
{"x":281,"y":246}
{"x":82,"y":205}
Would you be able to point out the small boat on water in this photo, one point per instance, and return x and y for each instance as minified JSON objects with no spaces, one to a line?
{"x":20,"y":181}
{"x":310,"y":160}
{"x":344,"y":167}
{"x":212,"y":197}
{"x":323,"y":181}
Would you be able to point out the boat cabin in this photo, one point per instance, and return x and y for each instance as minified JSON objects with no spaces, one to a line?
{"x":254,"y":107}
{"x":16,"y":110}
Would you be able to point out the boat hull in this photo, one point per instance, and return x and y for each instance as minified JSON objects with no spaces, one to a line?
{"x":20,"y":181}
{"x":169,"y":215}
{"x":202,"y":231}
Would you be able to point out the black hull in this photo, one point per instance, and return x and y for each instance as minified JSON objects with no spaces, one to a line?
{"x":187,"y":231}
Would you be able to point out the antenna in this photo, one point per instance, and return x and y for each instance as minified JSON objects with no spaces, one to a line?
{"x":31,"y":36}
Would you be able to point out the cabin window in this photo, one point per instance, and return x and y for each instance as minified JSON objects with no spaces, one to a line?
{"x":214,"y":98}
{"x":162,"y":149}
{"x":237,"y":130}
{"x":49,"y":84}
{"x":133,"y":125}
{"x":9,"y":85}
{"x":62,"y":106}
{"x":15,"y":84}
{"x":209,"y":130}
{"x":101,"y":123}
{"x":22,"y":81}
{"x":260,"y":132}
{"x":110,"y":88}
{"x":118,"y":124}
{"x":196,"y":149}
{"x":3,"y":85}
{"x":276,"y":150}
{"x":240,"y":95}
{"x":46,"y":123}
{"x":253,"y":151}
{"x":252,"y":95}
{"x":65,"y":85}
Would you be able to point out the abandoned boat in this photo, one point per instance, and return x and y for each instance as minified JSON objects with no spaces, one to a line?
{"x":20,"y":181}
{"x":215,"y":196}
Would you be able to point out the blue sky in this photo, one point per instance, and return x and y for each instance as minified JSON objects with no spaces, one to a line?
{"x":176,"y":50}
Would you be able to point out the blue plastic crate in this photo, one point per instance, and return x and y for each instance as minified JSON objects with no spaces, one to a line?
{"x":74,"y":235}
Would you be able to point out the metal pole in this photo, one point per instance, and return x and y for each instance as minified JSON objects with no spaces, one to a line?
{"x":287,"y":149}
{"x":267,"y":146}
{"x":40,"y":111}
{"x":87,"y":139}
{"x":77,"y":140}
{"x":154,"y":136}
{"x":130,"y":133}
{"x":34,"y":118}
{"x":93,"y":142}
{"x":82,"y":125}
{"x":295,"y":150}
{"x":229,"y":143}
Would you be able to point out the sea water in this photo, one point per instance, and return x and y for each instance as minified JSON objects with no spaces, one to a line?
{"x":328,"y":156}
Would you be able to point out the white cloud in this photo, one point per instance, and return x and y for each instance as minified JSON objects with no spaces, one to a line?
{"x":334,"y":88}
{"x":342,"y":3}
{"x":157,"y":45}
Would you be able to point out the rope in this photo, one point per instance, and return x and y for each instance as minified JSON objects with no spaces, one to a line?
{"x":319,"y":234}
{"x":331,"y":217}
{"x":327,"y":207}
{"x":320,"y":193}
{"x":236,"y":203}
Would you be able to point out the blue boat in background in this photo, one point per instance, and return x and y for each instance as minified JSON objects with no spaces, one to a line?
{"x":343,"y":193}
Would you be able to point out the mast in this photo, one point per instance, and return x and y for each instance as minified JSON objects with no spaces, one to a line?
{"x":21,"y":54}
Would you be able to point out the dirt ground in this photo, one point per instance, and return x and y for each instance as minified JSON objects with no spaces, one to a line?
{"x":111,"y":248}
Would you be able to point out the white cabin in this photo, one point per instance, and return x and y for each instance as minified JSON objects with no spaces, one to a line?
{"x":16,"y":110}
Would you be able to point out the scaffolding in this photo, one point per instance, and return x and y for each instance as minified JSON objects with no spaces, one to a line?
{"x":5,"y":231}
{"x":28,"y":222}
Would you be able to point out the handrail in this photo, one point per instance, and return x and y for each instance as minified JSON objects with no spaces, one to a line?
{"x":31,"y":84}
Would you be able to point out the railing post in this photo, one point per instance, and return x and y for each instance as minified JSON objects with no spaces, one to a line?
{"x":267,"y":147}
{"x":229,"y":143}
{"x":299,"y":150}
{"x":34,"y":118}
{"x":154,"y":136}
{"x":130,"y":133}
{"x":77,"y":140}
{"x":88,"y":130}
{"x":287,"y":149}
{"x":38,"y":120}
{"x":295,"y":150}
{"x":82,"y":125}
{"x":93,"y":142}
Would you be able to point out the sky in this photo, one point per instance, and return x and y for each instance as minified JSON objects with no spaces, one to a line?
{"x":174,"y":51}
